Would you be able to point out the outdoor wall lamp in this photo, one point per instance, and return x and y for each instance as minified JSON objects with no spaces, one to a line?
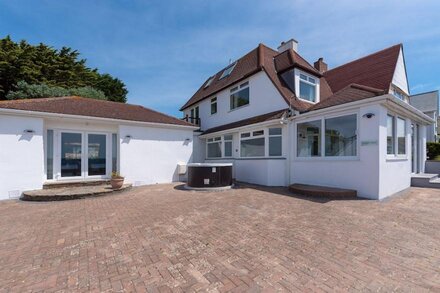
{"x":128,"y":136}
{"x":30,"y":131}
{"x":368,"y":115}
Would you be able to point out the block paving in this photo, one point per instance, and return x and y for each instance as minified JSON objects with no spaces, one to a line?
{"x":164,"y":239}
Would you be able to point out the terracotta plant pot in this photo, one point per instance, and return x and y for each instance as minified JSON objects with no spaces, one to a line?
{"x":117,"y":182}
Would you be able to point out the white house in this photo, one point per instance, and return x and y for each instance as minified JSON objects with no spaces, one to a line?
{"x":69,"y":139}
{"x":281,"y":121}
{"x":428,"y":103}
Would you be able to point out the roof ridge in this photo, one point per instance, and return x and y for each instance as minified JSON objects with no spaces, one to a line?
{"x":363,"y":57}
{"x":33,"y":99}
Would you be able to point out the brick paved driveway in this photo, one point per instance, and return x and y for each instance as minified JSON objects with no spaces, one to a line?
{"x":159,"y":238}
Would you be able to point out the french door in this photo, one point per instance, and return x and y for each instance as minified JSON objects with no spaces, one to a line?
{"x":83,"y":155}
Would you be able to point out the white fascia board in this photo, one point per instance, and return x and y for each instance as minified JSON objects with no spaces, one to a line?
{"x":400,"y":106}
{"x":100,"y":119}
{"x":241,"y":128}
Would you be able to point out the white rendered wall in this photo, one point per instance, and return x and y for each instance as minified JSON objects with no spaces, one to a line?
{"x":151,"y":154}
{"x":21,"y":155}
{"x":361,"y":173}
{"x":399,"y":78}
{"x":263,"y":98}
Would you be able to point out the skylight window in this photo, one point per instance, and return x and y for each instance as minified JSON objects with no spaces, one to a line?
{"x":228,"y":70}
{"x":209,"y":82}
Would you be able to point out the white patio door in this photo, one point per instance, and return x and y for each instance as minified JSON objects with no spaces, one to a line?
{"x":83,"y":155}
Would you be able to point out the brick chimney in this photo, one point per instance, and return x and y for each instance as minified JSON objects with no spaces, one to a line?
{"x":290,"y":44}
{"x":320,"y":65}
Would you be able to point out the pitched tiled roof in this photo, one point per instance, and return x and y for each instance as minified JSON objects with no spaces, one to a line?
{"x":257,"y":119}
{"x":375,"y":70}
{"x":351,"y":93}
{"x":74,"y":105}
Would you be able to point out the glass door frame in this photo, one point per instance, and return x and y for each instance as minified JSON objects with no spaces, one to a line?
{"x":84,"y":155}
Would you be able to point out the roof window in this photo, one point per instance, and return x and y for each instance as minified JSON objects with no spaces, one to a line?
{"x":209,"y":82}
{"x":228,"y":70}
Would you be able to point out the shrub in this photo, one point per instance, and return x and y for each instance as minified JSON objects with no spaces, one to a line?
{"x":433,"y":150}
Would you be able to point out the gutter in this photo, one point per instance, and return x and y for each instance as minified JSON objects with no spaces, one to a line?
{"x":237,"y":129}
{"x":99,"y":119}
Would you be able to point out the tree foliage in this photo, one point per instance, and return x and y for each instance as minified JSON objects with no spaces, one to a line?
{"x":32,"y":91}
{"x":433,"y":150}
{"x":49,"y":69}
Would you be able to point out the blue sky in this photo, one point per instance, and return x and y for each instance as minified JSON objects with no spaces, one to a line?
{"x":164,"y":50}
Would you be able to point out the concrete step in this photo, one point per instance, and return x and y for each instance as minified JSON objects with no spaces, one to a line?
{"x":322,"y":191}
{"x":78,"y":183}
{"x":427,"y":180}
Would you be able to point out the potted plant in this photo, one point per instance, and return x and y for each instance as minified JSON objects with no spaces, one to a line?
{"x":117,"y":180}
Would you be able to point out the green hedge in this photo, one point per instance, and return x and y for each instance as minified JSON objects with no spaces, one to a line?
{"x":433,"y":150}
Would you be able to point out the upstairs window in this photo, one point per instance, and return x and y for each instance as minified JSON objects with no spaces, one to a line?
{"x":195,"y":116}
{"x":228,"y":70}
{"x":307,"y":88}
{"x":213,"y":106}
{"x":239,"y":96}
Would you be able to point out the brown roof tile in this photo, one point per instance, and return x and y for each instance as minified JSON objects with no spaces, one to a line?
{"x":257,"y":119}
{"x":375,"y":70}
{"x":351,"y":93}
{"x":74,"y":105}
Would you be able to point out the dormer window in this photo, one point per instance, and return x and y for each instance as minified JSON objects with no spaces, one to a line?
{"x":228,"y":70}
{"x":307,"y":88}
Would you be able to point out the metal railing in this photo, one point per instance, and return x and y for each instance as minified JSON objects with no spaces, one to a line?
{"x":192,"y":120}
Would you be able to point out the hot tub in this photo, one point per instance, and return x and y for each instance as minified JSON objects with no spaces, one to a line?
{"x":209,"y":176}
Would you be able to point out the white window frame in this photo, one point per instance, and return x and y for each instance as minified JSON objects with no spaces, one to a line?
{"x":317,"y":85}
{"x":225,"y":72}
{"x":222,"y":146}
{"x":236,"y":89}
{"x":252,"y":136}
{"x":323,"y":157}
{"x":224,"y":140}
{"x":215,"y":140}
{"x":274,"y":135}
{"x":214,"y":100}
{"x":396,"y":155}
{"x":208,"y":83}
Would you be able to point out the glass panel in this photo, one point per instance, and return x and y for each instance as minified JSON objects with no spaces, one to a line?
{"x":312,"y":80}
{"x":218,"y":138}
{"x":302,"y":76}
{"x":309,"y":139}
{"x":214,"y":106}
{"x":214,"y":150}
{"x":228,"y":70}
{"x":257,"y":133}
{"x":340,"y":136}
{"x":49,"y":155}
{"x":274,"y":131}
{"x":96,"y":150}
{"x":307,"y":91}
{"x":401,"y":141}
{"x":252,"y":147}
{"x":244,"y":84}
{"x":240,"y":98}
{"x":275,"y":146}
{"x":228,"y":137}
{"x":71,"y":148}
{"x":289,"y":78}
{"x":228,"y":148}
{"x":390,"y":135}
{"x":114,"y":152}
{"x":197,"y":112}
{"x":247,"y":134}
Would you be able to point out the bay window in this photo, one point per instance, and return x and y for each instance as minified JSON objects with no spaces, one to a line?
{"x":309,"y":139}
{"x":214,"y":147}
{"x":396,"y":135}
{"x":252,"y":144}
{"x":275,"y":142}
{"x":340,"y":136}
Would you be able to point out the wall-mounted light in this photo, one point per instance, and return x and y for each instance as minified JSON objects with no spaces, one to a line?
{"x":368,"y":115}
{"x":128,"y":136}
{"x":187,"y":139}
{"x":30,"y":131}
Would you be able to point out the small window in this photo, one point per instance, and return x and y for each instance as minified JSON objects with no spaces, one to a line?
{"x":257,"y":133}
{"x":228,"y":70}
{"x":208,"y":83}
{"x":239,"y":97}
{"x":307,"y":88}
{"x":309,"y":139}
{"x":340,"y":136}
{"x":401,"y":141}
{"x":247,"y":134}
{"x":214,"y":147}
{"x":213,"y":106}
{"x":275,"y":142}
{"x":390,"y":135}
{"x":228,"y":145}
